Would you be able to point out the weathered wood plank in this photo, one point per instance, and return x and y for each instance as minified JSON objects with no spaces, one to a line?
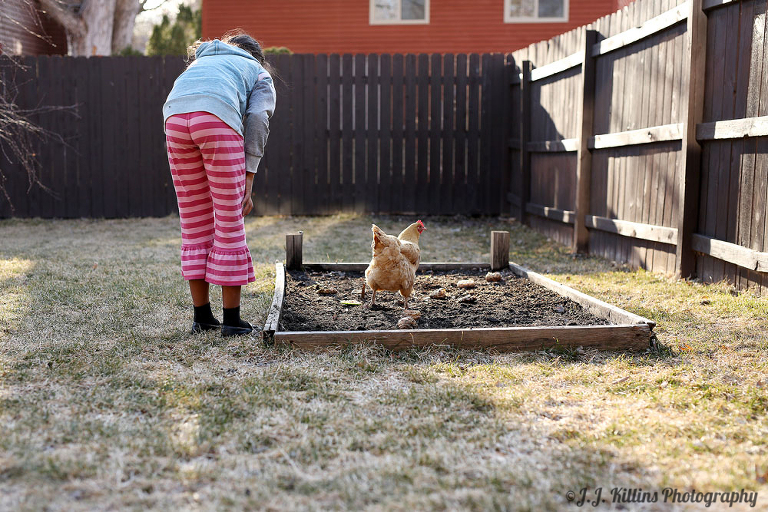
{"x":634,"y":137}
{"x":733,"y":129}
{"x":556,"y":67}
{"x":565,"y":216}
{"x":633,"y":229}
{"x":276,"y":309}
{"x":647,"y":29}
{"x":731,"y":253}
{"x":604,"y":337}
{"x":595,"y":306}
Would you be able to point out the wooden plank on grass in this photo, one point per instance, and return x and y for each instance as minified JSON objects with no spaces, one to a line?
{"x":276,"y":309}
{"x":604,"y":337}
{"x":595,"y":306}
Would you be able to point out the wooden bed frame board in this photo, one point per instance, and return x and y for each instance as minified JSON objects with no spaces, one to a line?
{"x":628,"y":331}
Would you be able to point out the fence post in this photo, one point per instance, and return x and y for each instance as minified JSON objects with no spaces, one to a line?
{"x":692,"y":111}
{"x":584,"y":157}
{"x":525,"y":136}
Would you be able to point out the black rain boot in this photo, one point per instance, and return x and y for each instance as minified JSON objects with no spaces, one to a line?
{"x":204,"y":319}
{"x":233,"y":324}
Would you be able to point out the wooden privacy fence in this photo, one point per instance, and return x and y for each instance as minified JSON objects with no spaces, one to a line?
{"x":352,"y":133}
{"x":642,"y":138}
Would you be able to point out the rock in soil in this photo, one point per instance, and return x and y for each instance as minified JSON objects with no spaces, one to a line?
{"x":493,"y":277}
{"x":438,"y":294}
{"x":406,"y":322}
{"x":512,"y":302}
{"x":466,"y":284}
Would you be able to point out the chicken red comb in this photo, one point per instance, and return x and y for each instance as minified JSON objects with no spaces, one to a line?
{"x":420,"y":223}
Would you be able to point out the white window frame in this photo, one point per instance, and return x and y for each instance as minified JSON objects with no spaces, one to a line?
{"x":374,"y":21}
{"x":510,"y":19}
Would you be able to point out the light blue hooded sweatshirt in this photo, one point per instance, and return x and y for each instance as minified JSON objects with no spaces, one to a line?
{"x":231,"y":84}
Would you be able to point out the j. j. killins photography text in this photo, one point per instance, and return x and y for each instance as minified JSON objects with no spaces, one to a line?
{"x":598,"y":495}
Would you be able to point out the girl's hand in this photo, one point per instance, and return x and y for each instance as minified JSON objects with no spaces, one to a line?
{"x":247,"y":205}
{"x":247,"y":201}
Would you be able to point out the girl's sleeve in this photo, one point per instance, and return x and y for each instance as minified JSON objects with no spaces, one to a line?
{"x":261,"y":106}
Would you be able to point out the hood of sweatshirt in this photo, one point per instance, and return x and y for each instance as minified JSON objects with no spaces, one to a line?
{"x":217,"y":47}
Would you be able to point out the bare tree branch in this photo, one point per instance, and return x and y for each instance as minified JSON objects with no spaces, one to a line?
{"x":142,"y":4}
{"x":70,"y":21}
{"x":19,"y":137}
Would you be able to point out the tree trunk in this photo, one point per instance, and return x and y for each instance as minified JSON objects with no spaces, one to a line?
{"x":89,"y":31}
{"x":125,"y":19}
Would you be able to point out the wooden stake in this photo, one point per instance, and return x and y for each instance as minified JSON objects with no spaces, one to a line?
{"x":293,"y":250}
{"x":499,"y":250}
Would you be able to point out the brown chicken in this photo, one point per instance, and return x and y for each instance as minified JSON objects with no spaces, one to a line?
{"x":394,"y":263}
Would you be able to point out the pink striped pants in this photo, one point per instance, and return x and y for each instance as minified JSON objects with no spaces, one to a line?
{"x":207,"y":159}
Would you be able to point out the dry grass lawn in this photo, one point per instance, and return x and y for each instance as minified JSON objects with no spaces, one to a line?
{"x":107,"y":402}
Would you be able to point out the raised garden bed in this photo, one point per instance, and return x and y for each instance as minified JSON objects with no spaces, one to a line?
{"x":526,"y":311}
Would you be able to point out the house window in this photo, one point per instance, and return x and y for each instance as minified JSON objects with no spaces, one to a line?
{"x":535,"y":11}
{"x":399,"y":12}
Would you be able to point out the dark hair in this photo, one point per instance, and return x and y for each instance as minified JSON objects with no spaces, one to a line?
{"x":243,"y":41}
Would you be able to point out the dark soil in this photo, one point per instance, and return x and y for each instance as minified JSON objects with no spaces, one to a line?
{"x":512,"y":302}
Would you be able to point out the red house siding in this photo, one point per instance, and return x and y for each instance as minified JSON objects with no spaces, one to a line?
{"x":19,"y":26}
{"x":342,"y":26}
